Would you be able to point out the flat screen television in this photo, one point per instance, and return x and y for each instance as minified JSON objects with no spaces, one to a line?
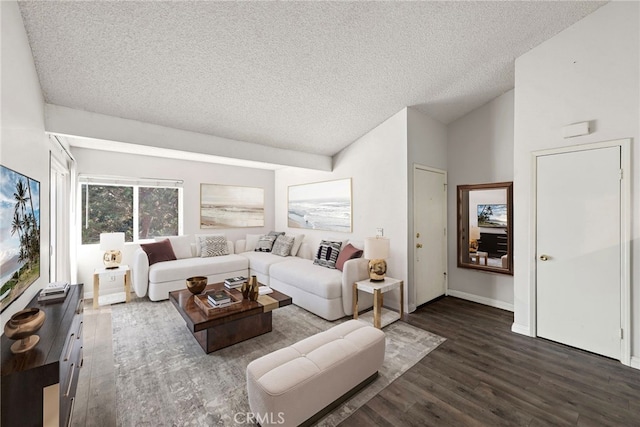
{"x":492,"y":215}
{"x":19,"y":234}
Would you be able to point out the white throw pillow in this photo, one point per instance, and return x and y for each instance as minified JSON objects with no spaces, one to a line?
{"x":252,"y":242}
{"x":298,"y":238}
{"x":202,"y":239}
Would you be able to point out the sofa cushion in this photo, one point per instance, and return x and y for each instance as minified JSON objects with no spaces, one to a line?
{"x":282,"y":246}
{"x":261,"y":261}
{"x":183,"y":268}
{"x":303,"y":274}
{"x":347,"y":253}
{"x":158,"y":251}
{"x":213,"y":245}
{"x":265,"y":243}
{"x":327,"y":254}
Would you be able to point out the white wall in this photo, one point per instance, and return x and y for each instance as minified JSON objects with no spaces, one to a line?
{"x":590,"y":72}
{"x":426,"y":146}
{"x":377,"y":165}
{"x":480,"y":151}
{"x":192,"y":173}
{"x":25,"y":147}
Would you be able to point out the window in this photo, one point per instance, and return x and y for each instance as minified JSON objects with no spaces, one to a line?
{"x":139,"y":209}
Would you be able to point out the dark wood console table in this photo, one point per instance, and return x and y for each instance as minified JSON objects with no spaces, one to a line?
{"x":39,"y":386}
{"x":494,"y":244}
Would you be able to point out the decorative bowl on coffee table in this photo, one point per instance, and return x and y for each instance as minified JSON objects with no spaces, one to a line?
{"x":196,"y":284}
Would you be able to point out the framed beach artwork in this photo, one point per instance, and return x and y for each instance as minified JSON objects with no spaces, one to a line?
{"x":19,"y":234}
{"x":321,"y":205}
{"x":230,"y":206}
{"x":492,"y":215}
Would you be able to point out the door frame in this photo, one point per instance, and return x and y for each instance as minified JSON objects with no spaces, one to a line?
{"x":416,"y":167}
{"x":625,"y":236}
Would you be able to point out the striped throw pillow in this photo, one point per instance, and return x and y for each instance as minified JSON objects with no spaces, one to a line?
{"x":327,"y":254}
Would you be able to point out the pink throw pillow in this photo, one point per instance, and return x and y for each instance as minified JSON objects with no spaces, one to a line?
{"x":347,"y":253}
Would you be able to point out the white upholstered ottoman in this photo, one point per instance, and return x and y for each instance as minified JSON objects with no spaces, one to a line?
{"x":299,"y":384}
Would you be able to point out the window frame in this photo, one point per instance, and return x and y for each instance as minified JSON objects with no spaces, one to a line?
{"x":136,"y":184}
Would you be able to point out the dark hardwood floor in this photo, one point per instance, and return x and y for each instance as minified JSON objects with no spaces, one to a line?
{"x":485,"y":375}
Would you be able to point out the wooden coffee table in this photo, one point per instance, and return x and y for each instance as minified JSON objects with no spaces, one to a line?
{"x":233,"y":324}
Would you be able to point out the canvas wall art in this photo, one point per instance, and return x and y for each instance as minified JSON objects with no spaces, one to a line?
{"x":19,"y":234}
{"x":492,"y":216}
{"x":230,"y":206}
{"x":321,"y":205}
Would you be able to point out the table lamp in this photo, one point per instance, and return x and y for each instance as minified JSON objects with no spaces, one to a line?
{"x":112,"y":244}
{"x":376,"y":250}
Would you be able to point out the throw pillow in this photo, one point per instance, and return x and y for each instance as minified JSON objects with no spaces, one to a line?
{"x":296,"y":243}
{"x":197,"y":242}
{"x":213,"y":245}
{"x":349,"y":252}
{"x":251,"y":242}
{"x":181,"y":245}
{"x":275,"y":233}
{"x":283,"y":245}
{"x":158,"y":251}
{"x":327,"y":254}
{"x":265,"y":243}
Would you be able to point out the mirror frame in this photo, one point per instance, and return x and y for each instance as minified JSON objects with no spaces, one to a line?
{"x":463,"y":226}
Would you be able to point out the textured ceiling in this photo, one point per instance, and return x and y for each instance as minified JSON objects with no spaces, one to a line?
{"x":307,"y":76}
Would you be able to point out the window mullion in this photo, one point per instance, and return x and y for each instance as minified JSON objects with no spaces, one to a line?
{"x":136,"y":222}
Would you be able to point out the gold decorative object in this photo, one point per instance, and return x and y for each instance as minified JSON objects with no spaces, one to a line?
{"x":196,"y":284}
{"x":245,"y":290}
{"x":22,"y":326}
{"x":376,"y":250}
{"x":254,"y":290}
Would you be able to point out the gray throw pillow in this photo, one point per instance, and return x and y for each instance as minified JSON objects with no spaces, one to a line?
{"x":283,"y":245}
{"x":265,"y":243}
{"x":211,"y":246}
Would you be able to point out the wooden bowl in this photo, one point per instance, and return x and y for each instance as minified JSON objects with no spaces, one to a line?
{"x":22,"y":327}
{"x":196,"y":284}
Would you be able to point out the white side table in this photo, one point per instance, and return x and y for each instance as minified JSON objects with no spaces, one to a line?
{"x":121,"y":270}
{"x":380,"y":318}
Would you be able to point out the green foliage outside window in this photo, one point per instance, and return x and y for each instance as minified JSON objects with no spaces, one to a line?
{"x":110,"y":208}
{"x":157,"y":212}
{"x":106,"y":209}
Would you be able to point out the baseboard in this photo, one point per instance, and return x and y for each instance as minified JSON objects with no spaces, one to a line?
{"x":480,"y":300}
{"x":520,"y":329}
{"x":635,"y":362}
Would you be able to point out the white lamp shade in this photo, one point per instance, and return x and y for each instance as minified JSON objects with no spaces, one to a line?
{"x":474,"y":233}
{"x":111,"y":241}
{"x":376,"y":248}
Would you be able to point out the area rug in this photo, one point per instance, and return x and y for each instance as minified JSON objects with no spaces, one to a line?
{"x":164,"y":378}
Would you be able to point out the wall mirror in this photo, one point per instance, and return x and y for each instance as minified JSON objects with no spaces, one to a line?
{"x":485,"y":224}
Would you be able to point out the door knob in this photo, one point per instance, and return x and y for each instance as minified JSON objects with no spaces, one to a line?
{"x":544,"y":257}
{"x":418,"y":245}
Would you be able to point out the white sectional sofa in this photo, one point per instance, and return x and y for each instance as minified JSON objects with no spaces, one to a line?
{"x":163,"y":277}
{"x":323,"y":291}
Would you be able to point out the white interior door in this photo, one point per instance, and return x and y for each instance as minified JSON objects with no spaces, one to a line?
{"x":430,"y":261}
{"x":578,"y":266}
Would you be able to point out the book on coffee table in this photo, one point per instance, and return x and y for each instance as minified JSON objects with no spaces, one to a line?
{"x":204,"y":304}
{"x":234,"y":282}
{"x":218,"y":298}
